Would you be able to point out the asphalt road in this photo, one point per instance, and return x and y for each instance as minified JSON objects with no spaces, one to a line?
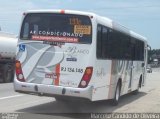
{"x":147,"y":100}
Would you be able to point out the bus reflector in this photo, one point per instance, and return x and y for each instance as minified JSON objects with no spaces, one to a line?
{"x":86,"y":77}
{"x":18,"y":65}
{"x":83,"y":83}
{"x":19,"y":72}
{"x":62,"y":11}
{"x":88,"y":71}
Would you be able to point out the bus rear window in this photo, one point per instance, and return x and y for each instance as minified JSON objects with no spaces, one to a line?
{"x":52,"y":27}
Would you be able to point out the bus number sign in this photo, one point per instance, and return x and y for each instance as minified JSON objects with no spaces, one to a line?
{"x":82,"y":29}
{"x":74,"y":21}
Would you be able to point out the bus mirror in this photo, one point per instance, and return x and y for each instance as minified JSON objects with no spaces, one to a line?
{"x":149,"y":47}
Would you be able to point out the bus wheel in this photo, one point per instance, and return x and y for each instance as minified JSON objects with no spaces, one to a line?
{"x":115,"y":100}
{"x":139,"y":86}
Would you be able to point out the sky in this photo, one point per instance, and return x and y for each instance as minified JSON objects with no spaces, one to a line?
{"x":141,"y":16}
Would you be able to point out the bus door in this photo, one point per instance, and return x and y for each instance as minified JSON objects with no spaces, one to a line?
{"x":144,"y":65}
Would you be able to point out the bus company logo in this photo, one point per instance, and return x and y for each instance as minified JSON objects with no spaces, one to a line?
{"x":74,"y":51}
{"x":22,"y":48}
{"x":100,"y":72}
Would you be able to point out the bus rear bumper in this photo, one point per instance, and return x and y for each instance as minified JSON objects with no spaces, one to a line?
{"x":53,"y":91}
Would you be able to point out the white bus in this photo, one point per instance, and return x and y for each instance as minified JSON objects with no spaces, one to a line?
{"x":64,"y":53}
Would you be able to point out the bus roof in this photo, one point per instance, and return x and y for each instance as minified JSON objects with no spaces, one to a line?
{"x":61,"y":11}
{"x":105,"y":20}
{"x":114,"y":25}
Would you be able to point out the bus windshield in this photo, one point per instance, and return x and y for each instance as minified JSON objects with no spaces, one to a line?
{"x":52,"y":27}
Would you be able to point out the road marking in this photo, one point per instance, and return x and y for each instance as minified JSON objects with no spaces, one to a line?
{"x":13,"y":96}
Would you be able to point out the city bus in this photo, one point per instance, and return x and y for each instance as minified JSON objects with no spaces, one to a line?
{"x":74,"y":54}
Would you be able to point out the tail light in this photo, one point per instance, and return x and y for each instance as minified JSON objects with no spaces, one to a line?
{"x":19,"y":72}
{"x":86,"y":77}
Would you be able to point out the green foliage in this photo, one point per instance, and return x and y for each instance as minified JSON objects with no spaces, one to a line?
{"x":153,"y":54}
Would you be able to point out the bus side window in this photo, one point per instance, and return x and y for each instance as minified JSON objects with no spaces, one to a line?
{"x":99,"y":42}
{"x":133,"y":50}
{"x":104,"y":42}
{"x":112,"y":44}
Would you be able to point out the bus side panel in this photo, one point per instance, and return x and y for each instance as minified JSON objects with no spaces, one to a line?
{"x":137,"y":72}
{"x":107,"y":74}
{"x":126,"y":77}
{"x":101,"y":79}
{"x":120,"y":71}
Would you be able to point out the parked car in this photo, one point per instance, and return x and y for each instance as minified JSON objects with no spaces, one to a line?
{"x":149,"y":69}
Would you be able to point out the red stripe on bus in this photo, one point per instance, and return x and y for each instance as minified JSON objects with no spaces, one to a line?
{"x":56,"y":81}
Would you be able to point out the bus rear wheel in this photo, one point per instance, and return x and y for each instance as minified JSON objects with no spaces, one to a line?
{"x":115,"y":100}
{"x":139,"y":86}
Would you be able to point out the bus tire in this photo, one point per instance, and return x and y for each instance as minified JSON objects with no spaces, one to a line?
{"x":115,"y":100}
{"x":139,"y":86}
